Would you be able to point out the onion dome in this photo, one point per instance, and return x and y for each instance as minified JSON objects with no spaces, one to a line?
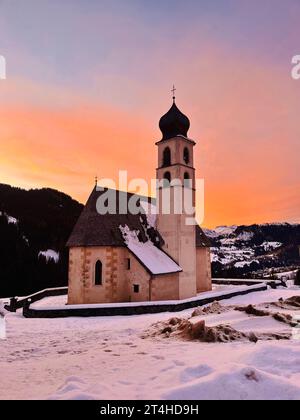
{"x":174,"y":123}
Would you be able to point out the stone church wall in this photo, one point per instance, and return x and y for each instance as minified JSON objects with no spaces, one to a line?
{"x":117,"y":281}
{"x":82,"y":263}
{"x":204,"y":283}
{"x":165,"y":287}
{"x":139,"y":276}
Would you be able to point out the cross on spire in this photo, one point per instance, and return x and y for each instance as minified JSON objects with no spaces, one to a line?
{"x":96,"y":180}
{"x":173,"y":91}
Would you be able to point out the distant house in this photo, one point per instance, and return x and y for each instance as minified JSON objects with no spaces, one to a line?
{"x":138,"y":257}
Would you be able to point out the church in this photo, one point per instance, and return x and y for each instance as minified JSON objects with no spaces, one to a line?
{"x":118,"y":257}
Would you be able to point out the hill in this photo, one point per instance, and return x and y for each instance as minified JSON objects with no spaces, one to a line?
{"x":34,"y":227}
{"x":256,"y":250}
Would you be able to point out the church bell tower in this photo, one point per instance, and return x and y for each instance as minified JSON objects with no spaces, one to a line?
{"x":176,"y":196}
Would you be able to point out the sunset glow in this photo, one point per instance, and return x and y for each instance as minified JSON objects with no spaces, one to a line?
{"x":83,"y":97}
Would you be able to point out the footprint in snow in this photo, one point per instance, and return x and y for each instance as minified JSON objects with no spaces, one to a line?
{"x":178,"y":363}
{"x":196,"y":372}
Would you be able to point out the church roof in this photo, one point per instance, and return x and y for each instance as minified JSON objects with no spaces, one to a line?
{"x":174,"y":123}
{"x":94,"y":229}
{"x":154,"y":259}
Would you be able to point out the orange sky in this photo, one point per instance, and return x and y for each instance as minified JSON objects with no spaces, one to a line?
{"x":244,"y":112}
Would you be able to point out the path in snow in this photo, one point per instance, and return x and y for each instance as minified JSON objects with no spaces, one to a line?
{"x":106,"y":358}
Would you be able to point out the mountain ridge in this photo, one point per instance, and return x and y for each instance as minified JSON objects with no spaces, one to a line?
{"x":256,"y":250}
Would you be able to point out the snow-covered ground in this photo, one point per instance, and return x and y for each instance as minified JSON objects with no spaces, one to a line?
{"x":107,"y":358}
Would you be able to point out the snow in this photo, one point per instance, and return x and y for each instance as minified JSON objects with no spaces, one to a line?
{"x":50,"y":255}
{"x":240,"y":256}
{"x":241,"y":383}
{"x":2,"y":310}
{"x":287,"y":275}
{"x":151,"y":212}
{"x":245,"y":236}
{"x":10,"y":219}
{"x":230,"y":254}
{"x":227,"y":241}
{"x":25,"y":239}
{"x":107,"y":358}
{"x":270,"y":246}
{"x":242,"y":264}
{"x":220,"y":231}
{"x":272,"y":295}
{"x":233,"y":249}
{"x":243,"y":280}
{"x":152,"y":257}
{"x":51,"y":303}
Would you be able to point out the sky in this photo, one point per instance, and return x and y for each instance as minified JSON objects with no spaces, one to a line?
{"x":87,"y":83}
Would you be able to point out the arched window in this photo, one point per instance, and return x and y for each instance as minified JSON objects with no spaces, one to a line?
{"x":186,"y":156}
{"x":167,"y":157}
{"x":187,"y":180}
{"x":167,"y":179}
{"x":98,"y":273}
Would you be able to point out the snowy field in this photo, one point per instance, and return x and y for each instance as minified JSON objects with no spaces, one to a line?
{"x":108,"y":358}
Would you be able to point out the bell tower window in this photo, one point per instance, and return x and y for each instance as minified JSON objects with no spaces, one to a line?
{"x":186,"y":156}
{"x":167,"y":157}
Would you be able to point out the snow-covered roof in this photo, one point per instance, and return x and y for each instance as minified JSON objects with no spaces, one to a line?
{"x":150,"y":210}
{"x":94,"y":229}
{"x":154,"y":259}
